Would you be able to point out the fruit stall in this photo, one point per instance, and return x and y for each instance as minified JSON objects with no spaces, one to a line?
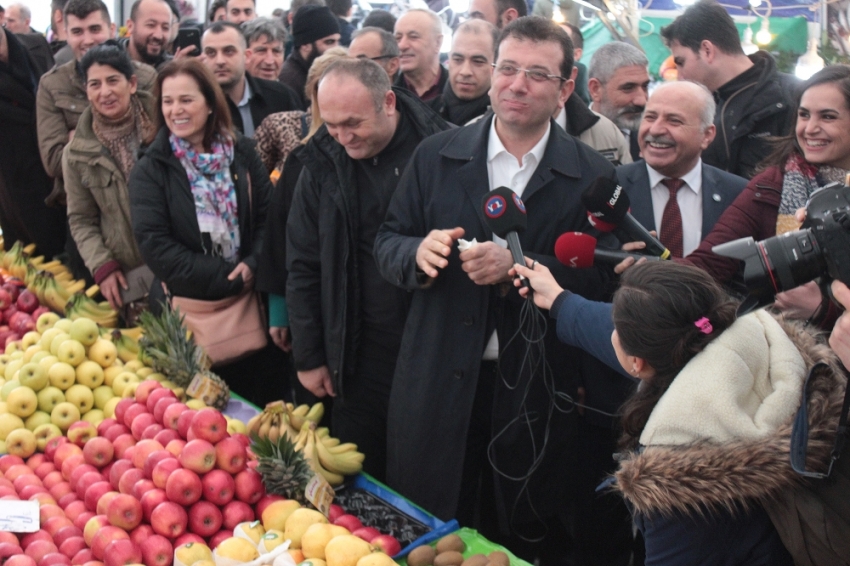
{"x":121,"y":446}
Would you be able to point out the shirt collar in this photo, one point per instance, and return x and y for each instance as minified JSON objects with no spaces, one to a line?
{"x":246,"y":96}
{"x":693,"y":178}
{"x":495,"y":146}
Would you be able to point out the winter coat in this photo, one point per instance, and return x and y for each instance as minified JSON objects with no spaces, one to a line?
{"x":166,"y":225}
{"x":597,"y":131}
{"x":98,"y":199}
{"x":321,"y":243}
{"x":715,"y":458}
{"x":748,"y":114}
{"x":60,"y":102}
{"x":451,"y":318}
{"x":267,"y":97}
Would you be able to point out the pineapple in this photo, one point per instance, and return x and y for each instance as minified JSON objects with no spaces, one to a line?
{"x":285,"y":471}
{"x":168,"y":348}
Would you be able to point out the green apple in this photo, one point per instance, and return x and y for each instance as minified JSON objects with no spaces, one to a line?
{"x":64,"y":415}
{"x":85,"y":331}
{"x":103,"y":352}
{"x":121,"y":381}
{"x":81,"y":396}
{"x":89,"y":373}
{"x":49,"y":397}
{"x":71,"y":352}
{"x":21,"y":443}
{"x":38,"y":356}
{"x":48,"y":360}
{"x":33,"y":376}
{"x":30,"y":351}
{"x":13,"y":347}
{"x":62,"y":375}
{"x":45,"y":432}
{"x":94,"y":416}
{"x":102,"y":395}
{"x":12,"y":368}
{"x":109,"y":407}
{"x":57,"y":340}
{"x":47,"y":338}
{"x":8,"y":423}
{"x":37,"y":419}
{"x":64,"y":324}
{"x":29,"y":339}
{"x":46,"y":321}
{"x":22,"y":401}
{"x":7,"y":387}
{"x":4,"y":359}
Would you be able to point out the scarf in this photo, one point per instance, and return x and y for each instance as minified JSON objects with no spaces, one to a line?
{"x":123,"y":136}
{"x":801,"y":180}
{"x":213,"y":192}
{"x":458,"y":111}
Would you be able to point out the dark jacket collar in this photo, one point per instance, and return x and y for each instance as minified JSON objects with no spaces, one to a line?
{"x":579,"y":116}
{"x":459,"y":111}
{"x":763,"y":69}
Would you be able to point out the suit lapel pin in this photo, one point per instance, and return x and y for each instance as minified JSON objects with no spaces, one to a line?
{"x":716,"y":197}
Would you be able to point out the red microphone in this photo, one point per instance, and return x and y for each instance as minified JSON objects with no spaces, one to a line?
{"x":577,"y":249}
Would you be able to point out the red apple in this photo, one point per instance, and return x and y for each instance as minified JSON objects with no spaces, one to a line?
{"x":140,"y":423}
{"x":142,"y":533}
{"x":104,"y":425}
{"x":183,"y":487}
{"x":120,"y":552}
{"x":20,"y":560}
{"x":230,"y":455}
{"x":210,"y":425}
{"x":129,"y":479}
{"x":94,"y":493}
{"x":104,"y":538}
{"x":23,"y":481}
{"x":387,"y":543}
{"x":71,"y":463}
{"x":98,"y":451}
{"x":198,"y":455}
{"x":216,"y":539}
{"x":65,"y":533}
{"x":17,"y":470}
{"x":144,"y":389}
{"x":265,"y":501}
{"x":176,"y":447}
{"x":155,"y":458}
{"x":55,"y":559}
{"x":83,"y":518}
{"x":74,"y":509}
{"x":249,"y":486}
{"x":145,"y":448}
{"x":30,"y":491}
{"x":8,"y":549}
{"x":151,"y":500}
{"x":27,"y":301}
{"x":151,"y":431}
{"x":47,"y":511}
{"x":118,"y":470}
{"x":188,"y":538}
{"x":52,"y":446}
{"x":218,"y":487}
{"x":79,"y":472}
{"x":29,"y":538}
{"x":60,"y":489}
{"x":204,"y":519}
{"x":172,"y":414}
{"x":366,"y":533}
{"x":184,"y":422}
{"x":35,"y":461}
{"x":43,"y":469}
{"x":85,"y":482}
{"x":156,"y":395}
{"x":350,"y":522}
{"x":71,"y":546}
{"x":81,"y":432}
{"x":169,"y":520}
{"x":243,"y":438}
{"x":124,"y":511}
{"x":132,"y":412}
{"x":104,"y":501}
{"x":52,"y":479}
{"x":236,"y":512}
{"x":157,"y":551}
{"x":163,"y":469}
{"x":166,"y":435}
{"x":160,"y":407}
{"x":122,"y":443}
{"x":121,"y":408}
{"x":115,"y":431}
{"x":39,"y":549}
{"x":83,"y":557}
{"x":53,"y":524}
{"x":6,"y":299}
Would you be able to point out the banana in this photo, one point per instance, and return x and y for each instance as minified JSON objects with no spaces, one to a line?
{"x":301,"y":410}
{"x":265,"y":426}
{"x":322,"y":432}
{"x":133,"y":333}
{"x":29,"y":249}
{"x":253,"y":424}
{"x":274,"y":430}
{"x":347,"y":447}
{"x":297,"y":416}
{"x":36,"y":261}
{"x":315,"y":413}
{"x":330,"y":442}
{"x":347,"y":463}
{"x":92,"y":291}
{"x":312,"y":458}
{"x":301,"y":439}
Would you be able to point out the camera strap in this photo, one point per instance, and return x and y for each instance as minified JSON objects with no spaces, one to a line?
{"x":800,"y":430}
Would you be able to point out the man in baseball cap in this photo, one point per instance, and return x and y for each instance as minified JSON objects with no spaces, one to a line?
{"x":314,"y":30}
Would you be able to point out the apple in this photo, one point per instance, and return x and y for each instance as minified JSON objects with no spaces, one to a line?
{"x":36,"y":314}
{"x":71,"y":463}
{"x":64,"y":415}
{"x":163,"y":469}
{"x":74,"y":509}
{"x":236,"y":512}
{"x":85,"y":331}
{"x":129,"y":479}
{"x":21,"y":482}
{"x":6,"y":299}
{"x":44,"y":468}
{"x":118,"y":468}
{"x":104,"y":538}
{"x":53,"y":524}
{"x":121,"y":408}
{"x":220,"y":536}
{"x":72,"y":545}
{"x":145,"y":448}
{"x":115,"y":431}
{"x":249,"y":486}
{"x":141,"y":487}
{"x":122,"y":443}
{"x":70,"y":352}
{"x":38,"y":549}
{"x":151,"y":500}
{"x":156,"y":395}
{"x":157,"y":551}
{"x":29,"y":538}
{"x":66,"y":533}
{"x":230,"y":455}
{"x":366,"y":533}
{"x":124,"y":511}
{"x":140,"y":423}
{"x":78,"y":472}
{"x":133,"y":411}
{"x":349,"y":522}
{"x":169,"y":520}
{"x":199,"y":456}
{"x":90,"y":374}
{"x":82,"y":519}
{"x":265,"y":501}
{"x":67,"y":499}
{"x":184,"y":422}
{"x":218,"y":487}
{"x":104,"y":425}
{"x":155,"y":458}
{"x":142,"y":533}
{"x":204,"y":519}
{"x":17,"y":470}
{"x":210,"y":425}
{"x":45,"y":512}
{"x":52,"y":479}
{"x":98,"y":451}
{"x":20,"y":560}
{"x":27,"y":301}
{"x":144,"y":389}
{"x":34,"y":376}
{"x":52,"y":446}
{"x":60,"y":375}
{"x":85,"y":557}
{"x":55,"y":559}
{"x":31,"y":491}
{"x":60,"y":490}
{"x":8,"y":549}
{"x":94,"y":493}
{"x":63,"y":451}
{"x":161,"y":406}
{"x":102,"y":504}
{"x":22,"y":401}
{"x":8,"y":461}
{"x":88,"y":480}
{"x":176,"y":447}
{"x":166,"y":435}
{"x":172,"y":414}
{"x":151,"y":431}
{"x":82,"y":397}
{"x":183,"y":487}
{"x":188,"y":538}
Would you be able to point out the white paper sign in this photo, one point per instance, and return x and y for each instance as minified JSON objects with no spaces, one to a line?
{"x":19,"y":516}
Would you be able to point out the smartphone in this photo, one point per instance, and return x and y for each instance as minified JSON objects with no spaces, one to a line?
{"x":189,"y":36}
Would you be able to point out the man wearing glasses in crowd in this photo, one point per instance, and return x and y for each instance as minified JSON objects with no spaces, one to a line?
{"x":376,"y":44}
{"x":457,"y":339}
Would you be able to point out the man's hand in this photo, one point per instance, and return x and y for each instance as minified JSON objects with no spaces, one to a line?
{"x":280,"y":337}
{"x":317,"y":381}
{"x":487,"y":263}
{"x":630,"y":261}
{"x":839,"y":340}
{"x":111,"y":287}
{"x":434,"y":250}
{"x":246,"y":273}
{"x":800,"y":302}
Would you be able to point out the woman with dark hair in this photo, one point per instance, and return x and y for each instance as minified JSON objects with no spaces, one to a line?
{"x":198,"y":198}
{"x":96,"y":165}
{"x":706,"y":438}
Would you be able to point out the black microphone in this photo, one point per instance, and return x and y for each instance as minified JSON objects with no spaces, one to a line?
{"x":576,"y":249}
{"x":606,"y":201}
{"x":504,"y":214}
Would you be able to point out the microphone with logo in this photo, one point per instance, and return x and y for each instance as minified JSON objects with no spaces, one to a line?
{"x":608,"y":208}
{"x":576,"y":249}
{"x":504,"y":213}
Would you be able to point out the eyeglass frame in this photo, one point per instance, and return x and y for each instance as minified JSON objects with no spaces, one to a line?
{"x":527,"y":75}
{"x":378,"y":58}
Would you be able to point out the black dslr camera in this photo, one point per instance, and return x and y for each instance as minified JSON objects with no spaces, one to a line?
{"x":821,"y":248}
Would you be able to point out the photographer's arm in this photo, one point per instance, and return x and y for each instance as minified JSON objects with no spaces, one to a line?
{"x":839,"y":340}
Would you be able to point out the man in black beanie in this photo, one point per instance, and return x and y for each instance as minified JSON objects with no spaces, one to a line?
{"x":314,"y":30}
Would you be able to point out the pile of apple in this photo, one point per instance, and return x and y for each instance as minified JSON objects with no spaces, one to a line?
{"x":19,"y":310}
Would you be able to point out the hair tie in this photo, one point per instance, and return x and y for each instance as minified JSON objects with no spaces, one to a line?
{"x":704,"y":325}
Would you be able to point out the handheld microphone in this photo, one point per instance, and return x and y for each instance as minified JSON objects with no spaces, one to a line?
{"x":576,"y":249}
{"x":608,"y":206}
{"x":504,"y":213}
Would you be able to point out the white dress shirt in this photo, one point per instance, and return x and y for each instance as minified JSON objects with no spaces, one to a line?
{"x":690,"y":204}
{"x":504,"y":170}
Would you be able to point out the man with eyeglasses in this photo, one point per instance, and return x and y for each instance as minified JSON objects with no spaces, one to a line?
{"x":460,"y":388}
{"x":376,"y":44}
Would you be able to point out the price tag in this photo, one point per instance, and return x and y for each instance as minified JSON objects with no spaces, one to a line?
{"x":320,"y":493}
{"x":19,"y":516}
{"x":204,"y":388}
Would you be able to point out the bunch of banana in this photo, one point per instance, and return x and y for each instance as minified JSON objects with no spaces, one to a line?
{"x":81,"y":305}
{"x":128,"y":347}
{"x":270,"y":423}
{"x":51,"y":292}
{"x":331,"y":462}
{"x":303,"y":413}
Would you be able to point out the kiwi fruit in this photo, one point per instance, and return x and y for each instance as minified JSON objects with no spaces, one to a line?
{"x":476,"y":560}
{"x":498,"y":558}
{"x":421,"y":556}
{"x":448,"y":558}
{"x":450,"y":542}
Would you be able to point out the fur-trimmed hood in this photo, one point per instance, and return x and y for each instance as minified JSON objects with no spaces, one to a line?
{"x":704,"y":473}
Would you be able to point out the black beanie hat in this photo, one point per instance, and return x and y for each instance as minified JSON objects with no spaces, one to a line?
{"x":312,"y":23}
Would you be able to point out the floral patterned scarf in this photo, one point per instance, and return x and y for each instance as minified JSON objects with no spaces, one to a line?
{"x":213,"y":192}
{"x":800,"y":181}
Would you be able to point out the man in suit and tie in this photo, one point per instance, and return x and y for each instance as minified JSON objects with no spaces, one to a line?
{"x":618,"y":83}
{"x":671,"y":190}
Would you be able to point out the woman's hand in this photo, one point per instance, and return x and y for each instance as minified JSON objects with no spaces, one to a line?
{"x":111,"y":287}
{"x":545,"y":288}
{"x":246,"y":273}
{"x":280,"y":337}
{"x":800,"y":302}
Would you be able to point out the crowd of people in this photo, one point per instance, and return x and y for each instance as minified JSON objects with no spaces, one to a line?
{"x":339,"y":170}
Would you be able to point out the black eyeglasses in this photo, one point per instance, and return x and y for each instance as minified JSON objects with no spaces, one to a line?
{"x":536,"y":76}
{"x":378,"y":58}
